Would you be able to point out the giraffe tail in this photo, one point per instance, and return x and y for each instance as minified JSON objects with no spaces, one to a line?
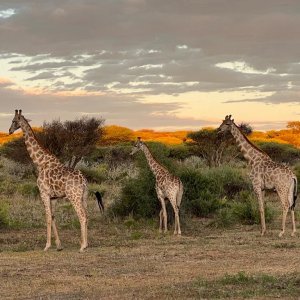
{"x":294,"y":193}
{"x":99,"y":201}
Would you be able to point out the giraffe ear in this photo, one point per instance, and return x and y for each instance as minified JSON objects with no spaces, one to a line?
{"x":232,"y":120}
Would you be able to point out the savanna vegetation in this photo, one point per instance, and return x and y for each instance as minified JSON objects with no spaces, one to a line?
{"x":220,"y":250}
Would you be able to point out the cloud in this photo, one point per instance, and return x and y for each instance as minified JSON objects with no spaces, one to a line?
{"x":277,"y":98}
{"x":116,"y":109}
{"x":124,"y":50}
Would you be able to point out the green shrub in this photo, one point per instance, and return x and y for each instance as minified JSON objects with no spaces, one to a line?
{"x":4,"y":215}
{"x":224,"y":218}
{"x":138,"y":198}
{"x":7,"y":187}
{"x":243,"y":209}
{"x":179,"y":152}
{"x":95,"y":174}
{"x":281,"y":152}
{"x":28,"y":189}
{"x":204,"y":189}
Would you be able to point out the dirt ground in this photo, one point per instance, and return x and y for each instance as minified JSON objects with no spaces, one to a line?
{"x":136,"y":262}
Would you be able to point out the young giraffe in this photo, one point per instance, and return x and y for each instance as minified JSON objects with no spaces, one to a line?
{"x":54,"y":181}
{"x":168,"y":187}
{"x":266,"y":174}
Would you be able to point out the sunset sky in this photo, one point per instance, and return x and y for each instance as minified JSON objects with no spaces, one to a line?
{"x":160,"y":64}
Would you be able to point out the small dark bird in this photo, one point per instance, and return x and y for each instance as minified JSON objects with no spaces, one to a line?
{"x":100,"y":202}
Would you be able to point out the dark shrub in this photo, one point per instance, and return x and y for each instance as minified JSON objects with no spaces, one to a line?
{"x":281,"y":152}
{"x":138,"y":198}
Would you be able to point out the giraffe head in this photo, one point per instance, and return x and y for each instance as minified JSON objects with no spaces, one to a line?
{"x":16,"y":121}
{"x":137,"y":146}
{"x":15,"y":124}
{"x":226,"y":124}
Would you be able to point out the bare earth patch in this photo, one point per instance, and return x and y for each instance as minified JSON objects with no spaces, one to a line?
{"x":126,"y":263}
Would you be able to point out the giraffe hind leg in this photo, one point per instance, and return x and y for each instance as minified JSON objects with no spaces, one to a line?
{"x":293,"y":222}
{"x":79,"y":206}
{"x":284,"y":214}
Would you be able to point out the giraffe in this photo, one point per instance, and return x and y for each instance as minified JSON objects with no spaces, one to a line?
{"x":168,"y":187}
{"x":54,"y":181}
{"x":266,"y":174}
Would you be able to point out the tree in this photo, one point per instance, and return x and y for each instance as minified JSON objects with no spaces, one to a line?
{"x":215,"y":147}
{"x":294,"y":125}
{"x":69,"y":140}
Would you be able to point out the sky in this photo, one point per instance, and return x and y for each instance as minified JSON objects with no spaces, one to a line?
{"x":160,"y":64}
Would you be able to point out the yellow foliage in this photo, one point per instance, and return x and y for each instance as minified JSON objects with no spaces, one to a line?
{"x":291,"y":135}
{"x":116,"y":134}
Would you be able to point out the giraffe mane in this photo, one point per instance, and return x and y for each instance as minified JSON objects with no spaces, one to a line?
{"x":37,"y":140}
{"x":250,"y":143}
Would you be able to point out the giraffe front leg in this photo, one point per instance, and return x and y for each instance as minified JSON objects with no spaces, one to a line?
{"x":161,"y":218}
{"x":46,"y":201}
{"x":165,"y":216}
{"x":259,"y":195}
{"x":163,"y":213}
{"x":57,"y":240}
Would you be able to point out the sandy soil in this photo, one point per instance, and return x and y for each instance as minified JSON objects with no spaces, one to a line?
{"x":137,"y":263}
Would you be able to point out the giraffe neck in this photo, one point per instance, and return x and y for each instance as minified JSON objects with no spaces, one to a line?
{"x":153,"y":164}
{"x":250,"y":152}
{"x":36,"y":152}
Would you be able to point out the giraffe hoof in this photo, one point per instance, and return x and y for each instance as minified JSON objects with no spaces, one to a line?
{"x":60,"y":248}
{"x":83,"y":249}
{"x":46,"y":248}
{"x":281,"y":234}
{"x":293,"y":233}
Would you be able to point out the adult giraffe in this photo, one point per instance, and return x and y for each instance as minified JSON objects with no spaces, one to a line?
{"x":266,"y":174}
{"x":54,"y":181}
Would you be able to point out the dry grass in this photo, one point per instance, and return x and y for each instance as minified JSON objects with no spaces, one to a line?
{"x":130,"y":260}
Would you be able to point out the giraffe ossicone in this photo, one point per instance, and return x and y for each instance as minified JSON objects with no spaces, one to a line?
{"x":168,"y":187}
{"x":54,"y":181}
{"x":265,"y":174}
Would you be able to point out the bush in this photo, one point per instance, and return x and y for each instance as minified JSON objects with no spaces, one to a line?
{"x":204,"y":190}
{"x":4,"y":215}
{"x":281,"y":152}
{"x":28,"y":189}
{"x":244,"y":209}
{"x":179,"y":152}
{"x":95,"y":174}
{"x":138,"y":198}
